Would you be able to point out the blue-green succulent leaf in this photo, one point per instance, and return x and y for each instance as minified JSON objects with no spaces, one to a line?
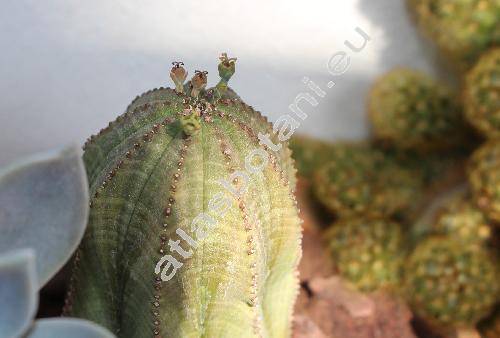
{"x":44,"y":206}
{"x":67,"y":328}
{"x":18,"y":292}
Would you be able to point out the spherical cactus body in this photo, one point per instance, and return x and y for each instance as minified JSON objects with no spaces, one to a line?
{"x":368,"y":252}
{"x":484,"y":178}
{"x":365,"y":180}
{"x":463,"y":221}
{"x":310,"y":153}
{"x":450,"y":284}
{"x":482,"y":94}
{"x":408,"y":109}
{"x":193,"y":229}
{"x":462,"y":29}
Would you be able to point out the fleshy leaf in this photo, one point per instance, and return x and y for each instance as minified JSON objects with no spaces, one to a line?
{"x":67,"y":328}
{"x":44,"y":206}
{"x":18,"y":292}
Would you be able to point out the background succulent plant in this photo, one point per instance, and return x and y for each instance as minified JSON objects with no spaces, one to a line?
{"x":462,"y":29}
{"x":451,"y":284}
{"x":369,"y":252}
{"x":408,"y":109}
{"x":363,"y":179}
{"x":152,"y":173}
{"x":484,"y":178}
{"x":413,"y":171}
{"x":463,"y":221}
{"x":43,"y":213}
{"x":424,"y":223}
{"x":481,"y":94}
{"x":310,"y":153}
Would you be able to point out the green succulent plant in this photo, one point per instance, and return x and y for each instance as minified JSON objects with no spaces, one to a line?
{"x":43,"y":213}
{"x":369,"y":252}
{"x":408,"y":109}
{"x":309,"y":153}
{"x":450,"y":284}
{"x":193,"y":229}
{"x":462,"y":29}
{"x":484,"y":178}
{"x":463,"y":221}
{"x":365,"y":180}
{"x":482,"y":94}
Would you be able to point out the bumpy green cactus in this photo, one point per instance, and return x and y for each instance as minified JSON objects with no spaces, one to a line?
{"x":463,"y":221}
{"x":310,"y":153}
{"x":484,"y":178}
{"x":408,"y":109}
{"x":463,"y":29}
{"x":365,"y":180}
{"x":193,"y":228}
{"x":437,"y":172}
{"x":451,"y":284}
{"x":368,"y":252}
{"x":482,"y":94}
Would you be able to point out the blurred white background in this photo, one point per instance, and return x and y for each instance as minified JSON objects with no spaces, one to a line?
{"x":69,"y":67}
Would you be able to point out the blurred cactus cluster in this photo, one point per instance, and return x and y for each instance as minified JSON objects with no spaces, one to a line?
{"x":415,"y":209}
